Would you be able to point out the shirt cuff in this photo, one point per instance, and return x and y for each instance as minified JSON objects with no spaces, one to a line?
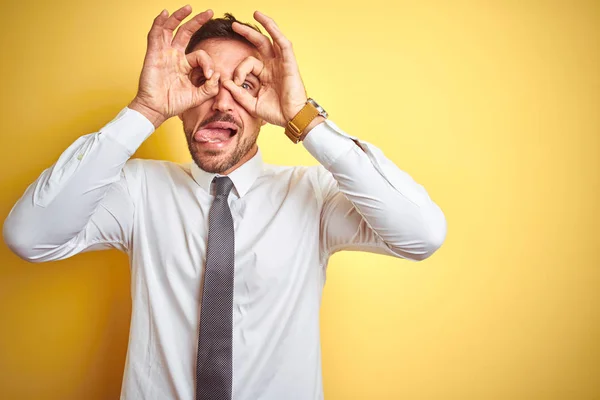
{"x":129,"y":128}
{"x":327,"y":142}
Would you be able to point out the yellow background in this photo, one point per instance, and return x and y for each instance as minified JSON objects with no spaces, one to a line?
{"x":493,"y":106}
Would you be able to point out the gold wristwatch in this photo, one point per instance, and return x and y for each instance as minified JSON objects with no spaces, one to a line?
{"x":298,"y":124}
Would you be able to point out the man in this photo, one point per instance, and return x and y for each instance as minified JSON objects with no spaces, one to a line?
{"x":228,"y":254}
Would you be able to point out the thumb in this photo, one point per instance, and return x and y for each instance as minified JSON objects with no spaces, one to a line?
{"x":241,"y":96}
{"x":209,"y":89}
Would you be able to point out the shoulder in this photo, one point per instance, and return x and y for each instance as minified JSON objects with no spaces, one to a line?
{"x":300,"y":172}
{"x":145,"y":174}
{"x":141,"y":166}
{"x":315,"y":178}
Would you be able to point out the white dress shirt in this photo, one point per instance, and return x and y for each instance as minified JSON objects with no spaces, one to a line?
{"x":288,"y":221}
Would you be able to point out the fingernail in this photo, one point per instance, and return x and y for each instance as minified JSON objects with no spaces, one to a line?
{"x":209,"y":73}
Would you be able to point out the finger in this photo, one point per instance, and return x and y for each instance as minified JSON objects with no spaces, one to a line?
{"x":185,"y":31}
{"x":175,"y":19}
{"x":241,"y":96}
{"x":251,"y":65}
{"x":262,"y":43}
{"x":209,"y":89}
{"x":156,"y":31}
{"x":201,"y":59}
{"x":284,"y":44}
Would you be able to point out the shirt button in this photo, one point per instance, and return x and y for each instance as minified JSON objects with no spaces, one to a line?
{"x":79,"y":157}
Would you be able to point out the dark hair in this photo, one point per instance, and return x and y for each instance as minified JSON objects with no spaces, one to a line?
{"x":219,"y":28}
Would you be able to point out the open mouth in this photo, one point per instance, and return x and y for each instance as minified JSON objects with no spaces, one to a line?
{"x":216,"y":132}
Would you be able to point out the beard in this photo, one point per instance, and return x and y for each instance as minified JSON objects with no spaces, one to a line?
{"x":221,"y":160}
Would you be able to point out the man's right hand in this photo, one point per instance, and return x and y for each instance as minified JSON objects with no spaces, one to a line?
{"x":165,"y":88}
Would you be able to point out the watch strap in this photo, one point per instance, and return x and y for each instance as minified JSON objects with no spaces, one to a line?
{"x":295,"y":128}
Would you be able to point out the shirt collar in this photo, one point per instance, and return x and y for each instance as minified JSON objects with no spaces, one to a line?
{"x":243,"y":177}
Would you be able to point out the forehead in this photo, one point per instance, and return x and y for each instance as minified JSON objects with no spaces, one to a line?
{"x":227,"y":53}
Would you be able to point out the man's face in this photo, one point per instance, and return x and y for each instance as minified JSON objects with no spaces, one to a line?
{"x":221,"y":134}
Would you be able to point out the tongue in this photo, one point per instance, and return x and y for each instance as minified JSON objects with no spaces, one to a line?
{"x":212,"y":134}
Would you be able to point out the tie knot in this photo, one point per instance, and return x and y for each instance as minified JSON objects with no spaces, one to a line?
{"x":223,"y":186}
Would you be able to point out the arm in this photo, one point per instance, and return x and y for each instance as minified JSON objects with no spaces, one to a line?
{"x":82,"y":202}
{"x":369,"y":203}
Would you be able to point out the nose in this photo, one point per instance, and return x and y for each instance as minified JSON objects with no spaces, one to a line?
{"x":223,"y":101}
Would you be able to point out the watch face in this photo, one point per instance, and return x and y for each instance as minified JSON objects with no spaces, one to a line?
{"x":322,"y":111}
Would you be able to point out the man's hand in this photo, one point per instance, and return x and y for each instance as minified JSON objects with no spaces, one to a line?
{"x":282,"y":94}
{"x":165,"y":88}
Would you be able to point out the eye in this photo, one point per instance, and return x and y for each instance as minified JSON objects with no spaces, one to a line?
{"x":247,"y":86}
{"x":197,"y":78}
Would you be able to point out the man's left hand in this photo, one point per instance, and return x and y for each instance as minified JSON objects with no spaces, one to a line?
{"x":282,"y":94}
